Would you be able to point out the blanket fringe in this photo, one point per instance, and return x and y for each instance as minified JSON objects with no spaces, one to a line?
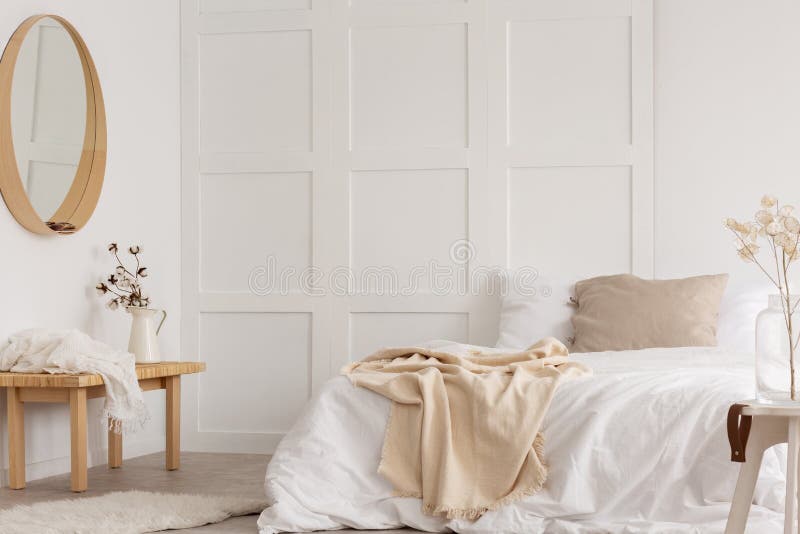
{"x":473,"y":514}
{"x":127,"y":425}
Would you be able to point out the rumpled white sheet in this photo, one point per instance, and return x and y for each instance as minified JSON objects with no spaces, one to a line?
{"x":73,"y":352}
{"x":639,"y":447}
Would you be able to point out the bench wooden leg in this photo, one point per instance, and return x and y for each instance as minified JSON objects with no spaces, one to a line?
{"x":114,"y":448}
{"x":173,"y":387}
{"x":78,"y":431}
{"x":16,"y":439}
{"x":765,"y":432}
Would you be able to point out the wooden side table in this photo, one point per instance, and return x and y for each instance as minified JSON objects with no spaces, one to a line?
{"x":75,"y":390}
{"x":753,"y":427}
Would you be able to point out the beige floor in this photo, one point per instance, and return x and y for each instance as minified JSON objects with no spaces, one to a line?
{"x":222,"y":474}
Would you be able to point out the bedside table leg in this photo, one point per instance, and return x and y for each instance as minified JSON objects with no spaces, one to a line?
{"x":114,"y":448}
{"x":78,"y":430}
{"x":792,"y":464}
{"x":173,"y":386}
{"x":765,"y":432}
{"x":16,"y":439}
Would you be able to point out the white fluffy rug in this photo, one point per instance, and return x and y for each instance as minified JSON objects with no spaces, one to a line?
{"x":124,"y":512}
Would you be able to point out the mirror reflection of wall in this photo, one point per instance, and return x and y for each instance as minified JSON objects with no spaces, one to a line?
{"x":48,"y":108}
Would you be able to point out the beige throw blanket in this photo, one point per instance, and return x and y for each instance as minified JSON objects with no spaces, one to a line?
{"x":463,"y":433}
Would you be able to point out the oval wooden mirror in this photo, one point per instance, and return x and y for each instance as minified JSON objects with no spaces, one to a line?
{"x":52,"y":127}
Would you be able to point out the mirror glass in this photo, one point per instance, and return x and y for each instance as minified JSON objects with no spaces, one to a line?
{"x":48,"y":114}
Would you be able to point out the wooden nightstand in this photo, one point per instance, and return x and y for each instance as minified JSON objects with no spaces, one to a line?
{"x":75,"y":390}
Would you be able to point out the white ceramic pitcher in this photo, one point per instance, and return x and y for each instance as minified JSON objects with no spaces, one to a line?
{"x":144,"y":335}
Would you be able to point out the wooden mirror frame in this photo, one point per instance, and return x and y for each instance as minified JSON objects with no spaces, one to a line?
{"x":77,"y":207}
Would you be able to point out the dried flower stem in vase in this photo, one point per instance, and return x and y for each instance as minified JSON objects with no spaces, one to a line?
{"x":124,"y":284}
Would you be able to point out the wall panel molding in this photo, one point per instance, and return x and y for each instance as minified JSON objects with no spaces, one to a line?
{"x":425,"y":130}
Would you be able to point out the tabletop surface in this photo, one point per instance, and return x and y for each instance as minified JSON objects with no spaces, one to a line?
{"x":756,"y":407}
{"x":143,"y":371}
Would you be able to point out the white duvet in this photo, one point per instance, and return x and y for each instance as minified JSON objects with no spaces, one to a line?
{"x":641,"y":446}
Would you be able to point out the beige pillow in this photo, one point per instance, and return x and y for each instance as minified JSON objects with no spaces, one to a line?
{"x":624,"y":312}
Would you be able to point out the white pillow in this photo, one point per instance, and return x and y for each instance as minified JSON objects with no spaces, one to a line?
{"x":526,"y":318}
{"x":741,"y":303}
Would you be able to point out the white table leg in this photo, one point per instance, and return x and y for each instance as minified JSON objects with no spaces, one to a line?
{"x":743,"y":496}
{"x":765,"y":432}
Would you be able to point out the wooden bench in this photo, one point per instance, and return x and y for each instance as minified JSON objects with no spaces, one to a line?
{"x":75,"y":390}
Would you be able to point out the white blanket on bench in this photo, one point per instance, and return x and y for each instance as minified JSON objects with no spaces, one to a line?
{"x":73,"y":352}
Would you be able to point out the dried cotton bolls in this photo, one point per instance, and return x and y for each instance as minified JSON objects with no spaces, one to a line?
{"x":124,"y":283}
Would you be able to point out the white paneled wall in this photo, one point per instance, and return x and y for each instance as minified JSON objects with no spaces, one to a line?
{"x":373,"y":135}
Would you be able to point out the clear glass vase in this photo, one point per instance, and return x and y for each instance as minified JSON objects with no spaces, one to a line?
{"x":773,"y":356}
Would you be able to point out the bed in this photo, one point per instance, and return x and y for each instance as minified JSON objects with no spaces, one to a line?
{"x":640,"y":446}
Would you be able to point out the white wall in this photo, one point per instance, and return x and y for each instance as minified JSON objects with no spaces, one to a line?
{"x":48,"y":281}
{"x":727,"y":124}
{"x":364,"y":134}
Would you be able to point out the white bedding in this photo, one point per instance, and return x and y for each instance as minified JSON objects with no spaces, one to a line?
{"x":640,"y":446}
